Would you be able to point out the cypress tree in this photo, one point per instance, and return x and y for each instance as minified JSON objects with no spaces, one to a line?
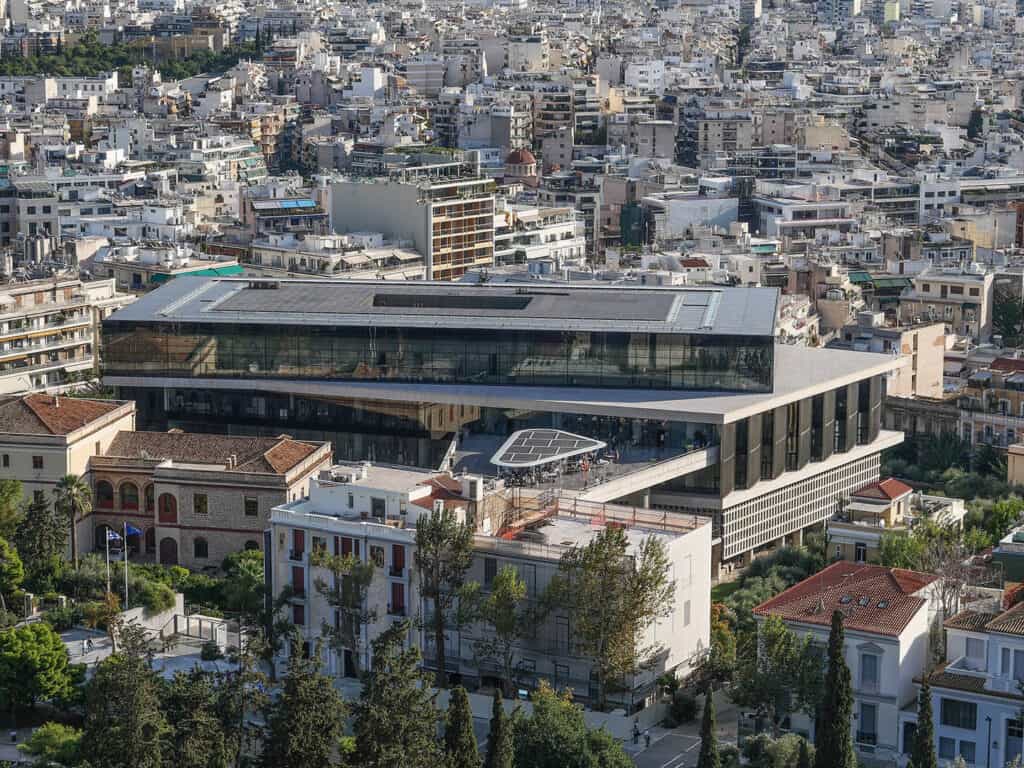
{"x":709,"y":757}
{"x":499,"y":741}
{"x":922,"y":753}
{"x":834,"y":742}
{"x":459,"y":739}
{"x":804,"y":758}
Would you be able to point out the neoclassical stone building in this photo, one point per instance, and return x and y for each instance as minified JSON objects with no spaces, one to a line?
{"x":196,"y":497}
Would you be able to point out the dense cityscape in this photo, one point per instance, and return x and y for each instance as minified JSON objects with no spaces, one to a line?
{"x":595,"y":384}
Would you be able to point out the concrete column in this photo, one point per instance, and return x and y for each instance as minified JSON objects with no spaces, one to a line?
{"x":796,"y":538}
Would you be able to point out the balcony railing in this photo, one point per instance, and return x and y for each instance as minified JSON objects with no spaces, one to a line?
{"x":867,"y":737}
{"x":396,"y":610}
{"x":296,"y":554}
{"x":397,"y":571}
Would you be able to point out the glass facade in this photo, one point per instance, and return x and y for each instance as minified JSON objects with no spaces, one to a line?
{"x":441,"y":356}
{"x":413,"y":433}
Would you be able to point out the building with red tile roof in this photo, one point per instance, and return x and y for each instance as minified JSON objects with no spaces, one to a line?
{"x":886,"y":613}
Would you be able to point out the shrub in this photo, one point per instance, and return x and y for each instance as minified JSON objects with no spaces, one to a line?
{"x":156,"y":597}
{"x":63,"y":619}
{"x":53,"y":744}
{"x":683,"y":708}
{"x":210,"y":651}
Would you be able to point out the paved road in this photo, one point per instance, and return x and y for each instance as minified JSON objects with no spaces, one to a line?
{"x":679,"y":748}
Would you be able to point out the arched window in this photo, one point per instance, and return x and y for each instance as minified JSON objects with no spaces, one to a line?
{"x":168,"y":508}
{"x":201,"y":549}
{"x":250,"y":544}
{"x":168,"y":551}
{"x":129,"y":496}
{"x":101,"y":536}
{"x":104,"y":495}
{"x":150,"y":501}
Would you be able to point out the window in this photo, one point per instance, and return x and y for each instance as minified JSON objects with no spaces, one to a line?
{"x":201,"y":549}
{"x":298,"y":614}
{"x":490,"y":570}
{"x":397,"y":605}
{"x":251,"y":544}
{"x":976,"y":652}
{"x":7,"y":459}
{"x":1004,"y":661}
{"x":129,"y":496}
{"x":967,"y":750}
{"x":318,"y":544}
{"x":397,"y":559}
{"x":37,"y":462}
{"x":299,"y":580}
{"x":167,"y":508}
{"x":377,"y":507}
{"x":377,"y":555}
{"x":39,"y":497}
{"x":104,"y":495}
{"x":199,"y":504}
{"x":959,"y":714}
{"x":1018,"y":666}
{"x":973,"y":292}
{"x":252,"y":506}
{"x":860,"y":552}
{"x":351,"y":501}
{"x":869,"y":671}
{"x":686,"y":613}
{"x":867,"y":727}
{"x":947,"y":748}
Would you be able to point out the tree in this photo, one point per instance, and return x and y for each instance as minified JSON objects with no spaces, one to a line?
{"x":244,"y":587}
{"x":33,"y":666}
{"x":124,"y":724}
{"x":105,"y":615}
{"x":708,"y":757}
{"x":12,"y":572}
{"x":395,"y":720}
{"x":804,"y":759}
{"x":196,"y":739}
{"x":720,"y":664}
{"x":240,"y":690}
{"x":834,"y":745}
{"x":444,"y":552}
{"x":305,"y":724}
{"x":73,"y":495}
{"x":922,"y":752}
{"x":499,"y":739}
{"x":11,"y":495}
{"x":900,"y":550}
{"x":612,"y":600}
{"x":976,"y":124}
{"x":556,"y":736}
{"x":41,"y":540}
{"x":507,"y":616}
{"x":1007,"y":317}
{"x":777,"y":673}
{"x":346,"y":592}
{"x":459,"y":738}
{"x":54,"y":744}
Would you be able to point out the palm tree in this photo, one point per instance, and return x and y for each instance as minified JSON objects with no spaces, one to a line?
{"x":74,"y":496}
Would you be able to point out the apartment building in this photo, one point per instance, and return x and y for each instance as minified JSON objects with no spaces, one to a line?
{"x":924,"y":344}
{"x":196,"y":497}
{"x":371,"y":512}
{"x":446,"y":210}
{"x":991,"y":404}
{"x":976,"y":693}
{"x":887,"y":614}
{"x":45,"y":437}
{"x":961,"y":300}
{"x":49,"y":330}
{"x":524,"y":233}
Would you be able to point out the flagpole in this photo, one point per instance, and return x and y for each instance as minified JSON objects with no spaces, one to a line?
{"x":125,"y":541}
{"x":107,"y":542}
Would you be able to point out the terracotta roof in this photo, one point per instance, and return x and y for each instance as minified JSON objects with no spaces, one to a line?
{"x":41,"y":414}
{"x":943,"y":677}
{"x":887,"y":489}
{"x":973,"y":621}
{"x":872,"y":598}
{"x":694,"y":263}
{"x":1007,"y":365}
{"x":520,"y":157}
{"x":1009,"y":622}
{"x":266,"y":455}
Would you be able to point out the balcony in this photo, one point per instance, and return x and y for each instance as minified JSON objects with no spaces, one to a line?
{"x":297,"y":555}
{"x":396,"y":610}
{"x":966,"y":667}
{"x":398,"y":571}
{"x":869,"y":738}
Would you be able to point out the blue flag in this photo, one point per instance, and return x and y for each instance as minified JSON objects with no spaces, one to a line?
{"x":131,"y":530}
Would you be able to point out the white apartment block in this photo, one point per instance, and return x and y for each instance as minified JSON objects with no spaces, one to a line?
{"x":371,"y":512}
